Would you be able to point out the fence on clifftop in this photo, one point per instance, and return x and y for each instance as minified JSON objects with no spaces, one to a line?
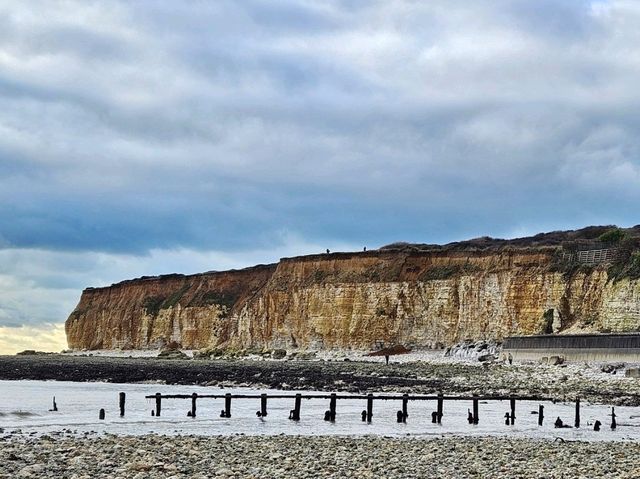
{"x":594,"y":253}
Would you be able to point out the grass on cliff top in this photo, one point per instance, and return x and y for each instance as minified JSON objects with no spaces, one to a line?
{"x":550,"y":239}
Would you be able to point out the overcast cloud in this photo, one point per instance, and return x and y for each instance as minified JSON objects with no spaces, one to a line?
{"x":150,"y":137}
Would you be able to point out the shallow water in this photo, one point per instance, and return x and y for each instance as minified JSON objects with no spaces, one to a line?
{"x":25,"y":405}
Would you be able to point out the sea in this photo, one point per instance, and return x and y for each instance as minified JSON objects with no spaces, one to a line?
{"x":25,"y":409}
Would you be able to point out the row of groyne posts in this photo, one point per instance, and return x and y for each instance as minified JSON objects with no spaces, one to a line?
{"x":473,"y":414}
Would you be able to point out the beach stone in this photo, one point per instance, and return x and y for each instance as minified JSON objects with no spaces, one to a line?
{"x":555,"y":360}
{"x":172,"y":354}
{"x":278,"y":353}
{"x":632,"y":373}
{"x":33,"y":470}
{"x":306,"y":355}
{"x":487,"y":357}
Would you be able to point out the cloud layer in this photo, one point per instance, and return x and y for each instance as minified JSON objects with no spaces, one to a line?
{"x":225,"y":128}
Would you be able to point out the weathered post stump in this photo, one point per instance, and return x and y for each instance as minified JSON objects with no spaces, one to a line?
{"x":540,"y":414}
{"x":332,"y":407}
{"x":263,"y":405}
{"x":194,"y":398}
{"x":476,"y":415}
{"x":399,"y":416}
{"x":512,"y":402}
{"x":296,"y":407}
{"x":123,"y":398}
{"x":227,"y":405}
{"x":405,"y":406}
{"x":614,"y":424}
{"x":158,"y":404}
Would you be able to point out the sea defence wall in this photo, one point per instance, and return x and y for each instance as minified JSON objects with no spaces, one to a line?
{"x":429,"y":299}
{"x":580,"y":347}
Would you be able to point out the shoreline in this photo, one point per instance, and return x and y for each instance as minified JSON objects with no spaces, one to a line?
{"x":564,"y":382}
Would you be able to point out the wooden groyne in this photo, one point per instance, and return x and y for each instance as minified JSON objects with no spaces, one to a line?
{"x":369,"y":399}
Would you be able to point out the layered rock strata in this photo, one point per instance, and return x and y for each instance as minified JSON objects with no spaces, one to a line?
{"x":355,"y":300}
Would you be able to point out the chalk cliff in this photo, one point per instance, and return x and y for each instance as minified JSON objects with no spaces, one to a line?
{"x":351,"y":300}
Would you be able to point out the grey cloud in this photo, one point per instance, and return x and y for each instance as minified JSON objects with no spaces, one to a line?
{"x":41,"y":287}
{"x":155,"y":137}
{"x":218,"y":125}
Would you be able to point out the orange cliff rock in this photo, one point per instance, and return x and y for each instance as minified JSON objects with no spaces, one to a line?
{"x":352,"y":300}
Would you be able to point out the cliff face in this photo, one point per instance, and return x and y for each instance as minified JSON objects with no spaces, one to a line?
{"x":150,"y":312}
{"x":420,"y":299}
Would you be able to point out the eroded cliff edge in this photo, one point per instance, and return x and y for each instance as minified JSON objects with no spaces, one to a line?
{"x":351,"y":300}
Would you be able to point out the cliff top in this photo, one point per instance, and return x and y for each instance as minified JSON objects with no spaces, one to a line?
{"x":568,"y":238}
{"x":162,"y":277}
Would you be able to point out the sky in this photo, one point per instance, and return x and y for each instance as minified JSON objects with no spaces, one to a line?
{"x":150,"y":137}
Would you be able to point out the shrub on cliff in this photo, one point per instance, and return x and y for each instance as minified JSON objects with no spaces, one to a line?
{"x":153,"y":304}
{"x":613,"y":236}
{"x":634,"y":265}
{"x":626,"y":266}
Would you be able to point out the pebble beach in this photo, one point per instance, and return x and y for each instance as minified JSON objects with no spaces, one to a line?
{"x":155,"y":456}
{"x":70,"y":455}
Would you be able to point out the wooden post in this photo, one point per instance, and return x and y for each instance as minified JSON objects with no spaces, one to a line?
{"x":332,"y":407}
{"x":577,"y":421}
{"x":101,"y":416}
{"x":475,"y":410}
{"x":540,"y":414}
{"x":123,"y":398}
{"x":369,"y":407}
{"x":440,"y":408}
{"x":227,"y":405}
{"x":405,"y":403}
{"x":513,"y":410}
{"x":158,"y":404}
{"x":194,"y":398}
{"x":296,"y":407}
{"x":614,"y":424}
{"x":263,"y":405}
